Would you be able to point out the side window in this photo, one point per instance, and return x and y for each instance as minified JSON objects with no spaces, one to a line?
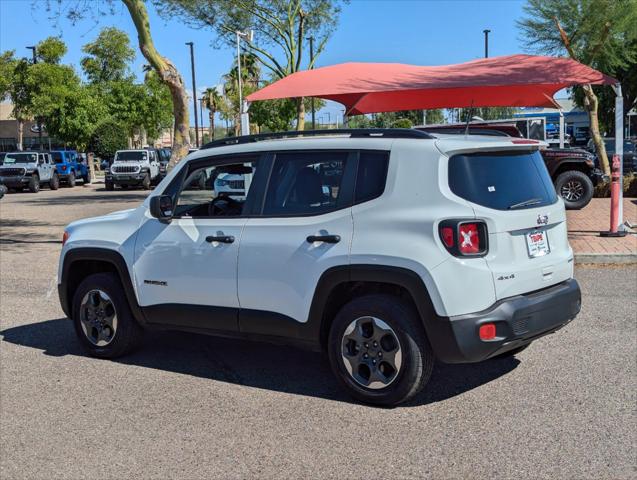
{"x":306,"y":183}
{"x":371,"y":176}
{"x":216,"y":191}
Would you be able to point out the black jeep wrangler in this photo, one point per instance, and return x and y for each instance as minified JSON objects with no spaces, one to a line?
{"x":573,"y":170}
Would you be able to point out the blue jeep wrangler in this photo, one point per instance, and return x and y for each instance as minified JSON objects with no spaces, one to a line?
{"x":69,"y":167}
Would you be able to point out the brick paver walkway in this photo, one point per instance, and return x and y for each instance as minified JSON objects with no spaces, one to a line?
{"x":584,"y":227}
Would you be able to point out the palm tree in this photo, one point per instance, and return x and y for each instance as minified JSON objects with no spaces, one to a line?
{"x":212,"y":101}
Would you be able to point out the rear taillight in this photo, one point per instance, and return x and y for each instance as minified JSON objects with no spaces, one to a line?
{"x":65,"y":237}
{"x":464,"y":238}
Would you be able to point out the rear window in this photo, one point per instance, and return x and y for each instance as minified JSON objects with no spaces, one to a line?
{"x":502,"y":181}
{"x":57,"y":157}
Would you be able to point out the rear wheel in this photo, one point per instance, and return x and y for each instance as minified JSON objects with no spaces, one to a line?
{"x":378,"y":350}
{"x":102,"y":317}
{"x":54,"y":183}
{"x":34,"y":183}
{"x":86,"y":178}
{"x":70,"y":181}
{"x":575,"y":188}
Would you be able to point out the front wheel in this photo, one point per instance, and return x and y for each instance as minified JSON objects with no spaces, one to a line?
{"x":71,"y":180}
{"x":34,"y":184}
{"x":109,"y":186}
{"x":378,"y":350}
{"x":102,"y":317}
{"x":146,"y":182}
{"x":54,"y":183}
{"x":575,"y":188}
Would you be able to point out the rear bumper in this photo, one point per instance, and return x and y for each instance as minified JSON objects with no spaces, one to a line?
{"x":519,"y":320}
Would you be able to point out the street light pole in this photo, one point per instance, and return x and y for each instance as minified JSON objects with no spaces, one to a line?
{"x":311,"y":39}
{"x":194,"y":90}
{"x":486,"y":42}
{"x":201,"y":116}
{"x":39,"y":122}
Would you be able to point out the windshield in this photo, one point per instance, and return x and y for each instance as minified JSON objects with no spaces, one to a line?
{"x":503,"y":181}
{"x":610,"y":145}
{"x":130,"y":156}
{"x":12,"y":158}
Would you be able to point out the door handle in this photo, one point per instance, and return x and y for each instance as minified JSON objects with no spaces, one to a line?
{"x":220,"y":238}
{"x":324,"y":238}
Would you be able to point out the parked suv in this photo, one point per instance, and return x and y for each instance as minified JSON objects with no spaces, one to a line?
{"x":30,"y":170}
{"x":133,"y":168}
{"x":70,"y":168}
{"x":572,"y":170}
{"x":386,"y":248}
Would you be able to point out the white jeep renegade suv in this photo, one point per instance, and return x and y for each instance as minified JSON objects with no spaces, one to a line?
{"x":386,"y":248}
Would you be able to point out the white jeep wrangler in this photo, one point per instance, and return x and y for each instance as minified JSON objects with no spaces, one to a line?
{"x":133,"y":168}
{"x":386,"y":248}
{"x":30,"y":170}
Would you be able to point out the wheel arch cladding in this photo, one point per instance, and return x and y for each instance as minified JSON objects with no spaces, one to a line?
{"x":339,"y":285}
{"x":79,"y":263}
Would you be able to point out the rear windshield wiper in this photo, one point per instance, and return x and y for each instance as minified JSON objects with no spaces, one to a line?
{"x":525,"y":203}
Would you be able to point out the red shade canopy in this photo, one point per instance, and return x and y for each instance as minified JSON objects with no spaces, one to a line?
{"x":509,"y":81}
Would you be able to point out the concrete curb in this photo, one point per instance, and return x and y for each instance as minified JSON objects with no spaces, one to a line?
{"x":612,"y":258}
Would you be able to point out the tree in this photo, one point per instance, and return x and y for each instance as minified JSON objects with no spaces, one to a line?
{"x":51,"y":50}
{"x":108,"y":137}
{"x":212,"y":101}
{"x":165,"y":69}
{"x":107,"y":56}
{"x":7,"y":66}
{"x":598,"y":33}
{"x":284,"y":25}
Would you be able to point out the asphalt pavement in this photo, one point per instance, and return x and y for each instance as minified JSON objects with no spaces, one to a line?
{"x":188,"y":406}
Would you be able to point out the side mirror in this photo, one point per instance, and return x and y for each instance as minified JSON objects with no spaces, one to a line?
{"x":161,"y":207}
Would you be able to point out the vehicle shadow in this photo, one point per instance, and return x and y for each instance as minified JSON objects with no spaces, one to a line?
{"x":253,"y":364}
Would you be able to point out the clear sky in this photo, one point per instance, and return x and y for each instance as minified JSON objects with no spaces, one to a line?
{"x":416,"y":32}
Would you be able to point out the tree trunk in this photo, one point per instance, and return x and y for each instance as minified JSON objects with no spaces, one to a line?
{"x":300,"y":114}
{"x":90,"y":160}
{"x":211,"y":116}
{"x":20,"y":146}
{"x":169,"y":75}
{"x":590,"y":103}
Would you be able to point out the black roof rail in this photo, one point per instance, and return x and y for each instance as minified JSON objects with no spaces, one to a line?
{"x":352,"y":132}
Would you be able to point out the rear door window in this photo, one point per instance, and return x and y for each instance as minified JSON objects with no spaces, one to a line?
{"x":309,"y":183}
{"x":502,"y":181}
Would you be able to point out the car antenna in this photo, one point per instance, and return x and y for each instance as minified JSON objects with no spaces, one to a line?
{"x":466,"y":130}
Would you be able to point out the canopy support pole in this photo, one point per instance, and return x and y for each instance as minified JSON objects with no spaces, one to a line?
{"x":561,"y":128}
{"x":619,"y":147}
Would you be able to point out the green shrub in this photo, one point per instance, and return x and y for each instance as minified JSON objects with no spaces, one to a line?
{"x":602,"y":189}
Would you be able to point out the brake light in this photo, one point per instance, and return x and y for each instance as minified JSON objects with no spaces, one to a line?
{"x":469,"y":239}
{"x":464,"y":238}
{"x":65,"y":237}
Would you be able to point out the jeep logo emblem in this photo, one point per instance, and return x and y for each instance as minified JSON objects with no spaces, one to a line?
{"x":542,"y":219}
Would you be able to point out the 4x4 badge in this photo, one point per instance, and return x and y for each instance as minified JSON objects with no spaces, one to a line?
{"x":542,"y":219}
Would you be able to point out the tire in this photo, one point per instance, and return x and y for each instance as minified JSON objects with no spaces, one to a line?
{"x":575,"y":188}
{"x":109,"y":186}
{"x":146,"y":182}
{"x":417,"y":358}
{"x":124,"y":336}
{"x":86,"y":179}
{"x":70,"y":181}
{"x":34,"y":183}
{"x":514,"y":352}
{"x":54,"y":183}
